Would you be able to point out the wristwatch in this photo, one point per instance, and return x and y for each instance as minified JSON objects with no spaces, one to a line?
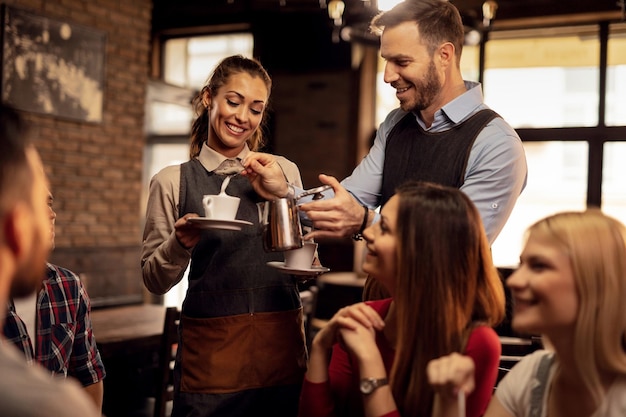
{"x":369,"y":385}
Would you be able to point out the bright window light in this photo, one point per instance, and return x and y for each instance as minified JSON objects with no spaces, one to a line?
{"x":384,"y":5}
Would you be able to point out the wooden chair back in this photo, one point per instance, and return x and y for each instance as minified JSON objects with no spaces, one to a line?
{"x":167,"y":354}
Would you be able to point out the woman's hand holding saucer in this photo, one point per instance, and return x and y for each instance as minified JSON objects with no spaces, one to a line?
{"x":187,"y":234}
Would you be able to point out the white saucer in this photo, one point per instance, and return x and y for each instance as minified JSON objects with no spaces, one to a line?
{"x":206,"y":223}
{"x":314,"y":270}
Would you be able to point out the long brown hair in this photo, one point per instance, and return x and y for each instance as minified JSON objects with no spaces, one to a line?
{"x":228,"y":67}
{"x":446,"y":283}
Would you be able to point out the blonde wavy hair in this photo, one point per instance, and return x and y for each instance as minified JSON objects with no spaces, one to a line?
{"x":596,"y":246}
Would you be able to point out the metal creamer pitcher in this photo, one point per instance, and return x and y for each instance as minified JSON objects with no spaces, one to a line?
{"x":281,"y":225}
{"x":280,"y":220}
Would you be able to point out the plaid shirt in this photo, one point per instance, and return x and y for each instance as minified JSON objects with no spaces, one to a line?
{"x":65,"y":340}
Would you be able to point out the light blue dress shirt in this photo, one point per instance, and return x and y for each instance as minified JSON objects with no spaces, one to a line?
{"x":496,"y":170}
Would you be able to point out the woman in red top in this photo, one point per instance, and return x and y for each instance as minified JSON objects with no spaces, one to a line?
{"x":431,"y":253}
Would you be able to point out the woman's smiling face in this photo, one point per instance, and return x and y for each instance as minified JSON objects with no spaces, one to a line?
{"x":235,"y":112}
{"x":545,"y":298}
{"x":382,"y":243}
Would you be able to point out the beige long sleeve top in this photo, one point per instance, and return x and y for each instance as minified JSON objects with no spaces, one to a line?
{"x":163,"y":259}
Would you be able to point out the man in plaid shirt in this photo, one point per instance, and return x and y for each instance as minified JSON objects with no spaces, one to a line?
{"x":59,"y":315}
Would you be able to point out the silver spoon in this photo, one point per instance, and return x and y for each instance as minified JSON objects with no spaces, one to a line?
{"x":231,"y":175}
{"x":317,"y":192}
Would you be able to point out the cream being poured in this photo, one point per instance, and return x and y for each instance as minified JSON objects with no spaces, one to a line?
{"x":233,"y":167}
{"x":225,"y":184}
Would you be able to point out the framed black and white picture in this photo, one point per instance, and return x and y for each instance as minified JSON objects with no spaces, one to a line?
{"x":52,"y":67}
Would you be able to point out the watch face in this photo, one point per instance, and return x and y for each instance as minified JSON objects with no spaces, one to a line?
{"x":366,"y":386}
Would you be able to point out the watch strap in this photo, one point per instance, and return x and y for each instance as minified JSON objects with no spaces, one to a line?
{"x":359,"y":235}
{"x":369,"y":385}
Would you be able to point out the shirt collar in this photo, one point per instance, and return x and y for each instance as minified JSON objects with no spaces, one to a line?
{"x":465,"y":104}
{"x":458,"y":109}
{"x":211,"y":159}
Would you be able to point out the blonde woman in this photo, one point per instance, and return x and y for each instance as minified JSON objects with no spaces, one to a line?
{"x":570,"y":287}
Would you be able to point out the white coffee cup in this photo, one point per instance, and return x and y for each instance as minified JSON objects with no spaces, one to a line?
{"x":220,"y":206}
{"x":301,"y":258}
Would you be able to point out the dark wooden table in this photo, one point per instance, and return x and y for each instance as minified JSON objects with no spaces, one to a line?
{"x":128,"y":338}
{"x":127,"y":330}
{"x":336,"y":290}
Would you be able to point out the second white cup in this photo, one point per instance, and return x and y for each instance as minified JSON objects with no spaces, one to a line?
{"x":220,"y":206}
{"x":301,"y":258}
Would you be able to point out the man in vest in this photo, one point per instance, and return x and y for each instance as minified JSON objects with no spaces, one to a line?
{"x":442,"y":132}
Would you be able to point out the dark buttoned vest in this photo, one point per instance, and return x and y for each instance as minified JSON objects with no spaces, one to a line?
{"x":440,"y":157}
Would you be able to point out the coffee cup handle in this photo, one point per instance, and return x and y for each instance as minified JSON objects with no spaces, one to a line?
{"x":206,"y":202}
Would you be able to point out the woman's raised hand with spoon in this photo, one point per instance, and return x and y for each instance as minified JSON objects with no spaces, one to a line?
{"x":265,"y":175}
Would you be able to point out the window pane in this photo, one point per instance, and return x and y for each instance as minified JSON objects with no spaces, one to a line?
{"x":169,"y":119}
{"x":469,"y":62}
{"x":616,"y":76}
{"x":385,"y":95}
{"x":168,"y":109}
{"x":206,"y":51}
{"x":533,"y":80}
{"x":175,"y":62}
{"x":557,"y":181}
{"x":613,"y":174}
{"x":156,"y":157}
{"x":189,"y":61}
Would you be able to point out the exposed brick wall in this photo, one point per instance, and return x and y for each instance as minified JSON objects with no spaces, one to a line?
{"x":95,"y":169}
